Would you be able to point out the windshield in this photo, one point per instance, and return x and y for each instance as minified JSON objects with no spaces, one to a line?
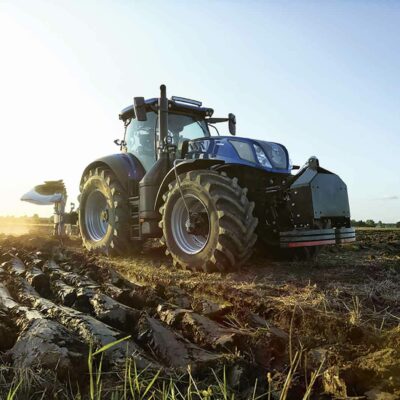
{"x":141,"y":135}
{"x":185,"y":127}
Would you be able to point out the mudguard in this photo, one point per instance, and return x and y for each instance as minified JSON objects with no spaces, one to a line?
{"x":182,"y":167}
{"x":126,"y":167}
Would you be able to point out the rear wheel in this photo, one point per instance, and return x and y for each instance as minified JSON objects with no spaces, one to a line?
{"x":219,"y":235}
{"x":104,"y":213}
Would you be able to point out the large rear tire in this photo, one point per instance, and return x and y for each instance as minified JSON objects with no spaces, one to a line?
{"x":104,"y":214}
{"x":224,"y":235}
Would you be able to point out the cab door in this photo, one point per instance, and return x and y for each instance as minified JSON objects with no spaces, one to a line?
{"x":141,"y":140}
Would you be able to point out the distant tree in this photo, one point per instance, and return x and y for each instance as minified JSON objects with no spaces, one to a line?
{"x":398,"y":224}
{"x":370,"y":223}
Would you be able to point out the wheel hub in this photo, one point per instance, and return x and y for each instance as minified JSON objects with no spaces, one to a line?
{"x":197,"y":224}
{"x":96,"y":215}
{"x":190,"y":230}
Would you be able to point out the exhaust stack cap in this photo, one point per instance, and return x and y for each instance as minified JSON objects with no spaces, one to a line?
{"x":313,"y":162}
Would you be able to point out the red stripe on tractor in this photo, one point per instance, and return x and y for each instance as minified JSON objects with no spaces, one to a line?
{"x":314,"y":243}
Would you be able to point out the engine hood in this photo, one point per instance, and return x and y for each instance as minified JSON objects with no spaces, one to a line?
{"x":269,"y":156}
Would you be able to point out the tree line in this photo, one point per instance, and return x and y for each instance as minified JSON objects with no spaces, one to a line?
{"x":25,"y":219}
{"x":370,"y":223}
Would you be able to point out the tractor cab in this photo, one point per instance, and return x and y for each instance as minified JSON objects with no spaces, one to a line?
{"x":187,"y":121}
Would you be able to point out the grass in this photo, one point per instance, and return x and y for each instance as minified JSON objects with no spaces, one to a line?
{"x":354,"y":311}
{"x":131,"y":384}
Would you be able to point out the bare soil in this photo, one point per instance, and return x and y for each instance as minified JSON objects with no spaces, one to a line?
{"x":337,"y":318}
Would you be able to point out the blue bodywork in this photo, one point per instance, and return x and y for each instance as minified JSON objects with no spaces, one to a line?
{"x":223,"y":148}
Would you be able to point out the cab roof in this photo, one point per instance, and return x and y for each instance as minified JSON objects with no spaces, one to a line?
{"x":173,"y":106}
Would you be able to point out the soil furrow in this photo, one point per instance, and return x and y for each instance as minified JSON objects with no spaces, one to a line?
{"x":341,"y":313}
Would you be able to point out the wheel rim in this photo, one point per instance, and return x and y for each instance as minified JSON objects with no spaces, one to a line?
{"x":96,"y":216}
{"x":188,"y":242}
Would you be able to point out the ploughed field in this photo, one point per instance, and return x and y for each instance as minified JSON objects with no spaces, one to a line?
{"x":274,"y":330}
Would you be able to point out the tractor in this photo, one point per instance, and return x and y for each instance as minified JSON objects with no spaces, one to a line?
{"x":209,"y":198}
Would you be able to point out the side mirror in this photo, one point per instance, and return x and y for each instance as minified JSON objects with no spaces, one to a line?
{"x":140,"y":108}
{"x":232,"y":124}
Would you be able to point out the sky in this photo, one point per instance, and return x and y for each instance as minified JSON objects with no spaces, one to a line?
{"x":322,"y":78}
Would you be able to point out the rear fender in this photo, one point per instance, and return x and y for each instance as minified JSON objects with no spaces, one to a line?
{"x":184,"y":166}
{"x":126,"y":167}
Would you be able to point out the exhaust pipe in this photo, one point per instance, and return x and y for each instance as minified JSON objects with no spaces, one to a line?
{"x":163,"y":118}
{"x":150,"y":184}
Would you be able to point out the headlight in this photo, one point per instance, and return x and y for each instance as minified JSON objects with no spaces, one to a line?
{"x":261,"y":156}
{"x":275,"y":153}
{"x":243,"y":149}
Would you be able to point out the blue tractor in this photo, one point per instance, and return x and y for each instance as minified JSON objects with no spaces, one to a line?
{"x":209,"y":198}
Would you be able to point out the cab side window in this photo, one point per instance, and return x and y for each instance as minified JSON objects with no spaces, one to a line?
{"x":140,"y":140}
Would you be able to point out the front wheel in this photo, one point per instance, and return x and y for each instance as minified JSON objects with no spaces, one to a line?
{"x":208,"y":222}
